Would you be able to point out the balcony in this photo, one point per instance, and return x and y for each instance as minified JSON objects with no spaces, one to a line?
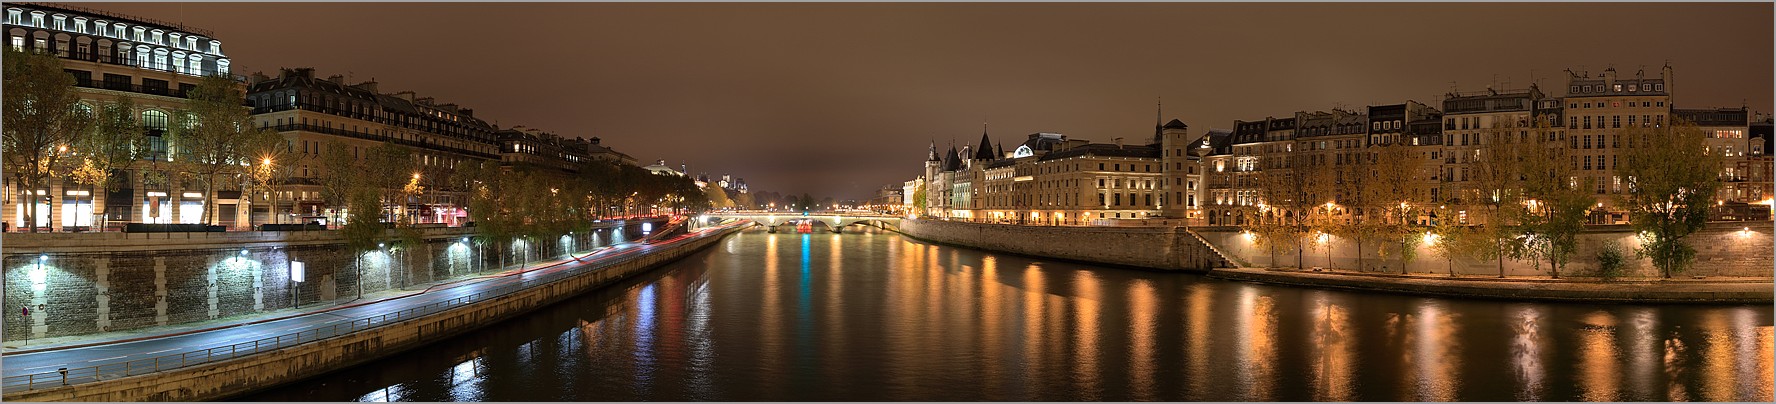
{"x":380,"y":138}
{"x":134,"y":88}
{"x":150,"y":65}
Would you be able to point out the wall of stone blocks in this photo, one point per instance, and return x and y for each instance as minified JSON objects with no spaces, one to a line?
{"x":1148,"y":247}
{"x":1723,"y":250}
{"x":115,"y":282}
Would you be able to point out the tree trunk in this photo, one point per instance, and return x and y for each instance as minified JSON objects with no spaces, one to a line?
{"x":1501,"y":258}
{"x":31,"y":206}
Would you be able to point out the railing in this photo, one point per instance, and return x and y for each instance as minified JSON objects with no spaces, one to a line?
{"x":380,"y":138}
{"x":68,"y":377}
{"x":134,"y":88}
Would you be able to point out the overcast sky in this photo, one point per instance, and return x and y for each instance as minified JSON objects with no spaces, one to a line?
{"x":840,"y":99}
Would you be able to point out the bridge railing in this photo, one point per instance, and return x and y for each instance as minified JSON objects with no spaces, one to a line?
{"x":88,"y":374}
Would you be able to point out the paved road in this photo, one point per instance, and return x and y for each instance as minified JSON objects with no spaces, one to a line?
{"x":140,"y":352}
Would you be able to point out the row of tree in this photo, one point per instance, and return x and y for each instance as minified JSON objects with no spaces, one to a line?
{"x":50,"y":134}
{"x":1527,"y":201}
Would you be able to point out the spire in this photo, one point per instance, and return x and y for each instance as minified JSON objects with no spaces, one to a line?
{"x":999,"y":149}
{"x":933,"y":155}
{"x":1158,"y":116}
{"x":985,"y":150}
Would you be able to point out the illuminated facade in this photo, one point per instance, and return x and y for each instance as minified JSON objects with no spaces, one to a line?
{"x":313,"y":114}
{"x":111,"y":55}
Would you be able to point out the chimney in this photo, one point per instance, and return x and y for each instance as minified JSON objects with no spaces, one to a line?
{"x":451,"y":108}
{"x":367,"y":86}
{"x":466,"y":112}
{"x":427,"y":101}
{"x":259,"y":77}
{"x":405,"y":95}
{"x":336,"y":79}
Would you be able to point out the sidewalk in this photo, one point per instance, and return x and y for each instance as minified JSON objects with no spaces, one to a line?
{"x":1636,"y":290}
{"x":308,"y":308}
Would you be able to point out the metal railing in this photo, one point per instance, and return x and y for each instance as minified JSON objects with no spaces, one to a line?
{"x":73,"y":376}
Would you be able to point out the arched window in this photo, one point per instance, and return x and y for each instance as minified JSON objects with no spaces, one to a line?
{"x":14,"y":15}
{"x":154,"y":120}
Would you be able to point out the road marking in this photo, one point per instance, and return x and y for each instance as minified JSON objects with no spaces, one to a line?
{"x":163,"y":350}
{"x":106,"y":359}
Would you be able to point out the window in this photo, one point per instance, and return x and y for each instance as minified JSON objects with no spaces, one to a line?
{"x":1618,"y":87}
{"x":1616,"y":121}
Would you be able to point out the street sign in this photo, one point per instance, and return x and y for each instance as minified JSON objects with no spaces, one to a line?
{"x":296,"y":270}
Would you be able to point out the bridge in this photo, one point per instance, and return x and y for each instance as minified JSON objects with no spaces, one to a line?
{"x":833,"y":220}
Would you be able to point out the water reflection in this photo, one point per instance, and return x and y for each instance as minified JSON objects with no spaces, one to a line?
{"x":1332,"y":350}
{"x":876,"y":317}
{"x":1528,"y":351}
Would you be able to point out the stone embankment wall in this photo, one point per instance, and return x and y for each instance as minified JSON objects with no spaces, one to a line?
{"x":233,"y":377}
{"x":1170,"y":248}
{"x":82,"y":283}
{"x":1722,"y":250}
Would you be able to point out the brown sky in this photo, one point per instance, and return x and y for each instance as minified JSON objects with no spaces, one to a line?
{"x":839,"y":99}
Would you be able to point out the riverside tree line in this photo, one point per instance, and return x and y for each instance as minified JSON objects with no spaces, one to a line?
{"x":1527,"y":204}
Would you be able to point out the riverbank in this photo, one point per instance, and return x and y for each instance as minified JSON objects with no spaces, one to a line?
{"x":1160,"y":248}
{"x":1679,"y":290}
{"x":234,"y":367}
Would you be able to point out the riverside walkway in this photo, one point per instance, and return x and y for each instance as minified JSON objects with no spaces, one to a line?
{"x":1676,"y":290}
{"x":90,"y":361}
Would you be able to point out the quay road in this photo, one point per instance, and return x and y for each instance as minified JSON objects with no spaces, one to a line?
{"x":103,"y":361}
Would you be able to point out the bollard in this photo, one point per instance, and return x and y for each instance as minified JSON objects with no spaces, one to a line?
{"x":64,"y":372}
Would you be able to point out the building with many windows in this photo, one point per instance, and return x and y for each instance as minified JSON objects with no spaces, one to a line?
{"x":1597,"y":110}
{"x":112,"y":55}
{"x":315,"y":114}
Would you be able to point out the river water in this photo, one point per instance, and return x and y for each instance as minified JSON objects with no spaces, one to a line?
{"x":872,"y":316}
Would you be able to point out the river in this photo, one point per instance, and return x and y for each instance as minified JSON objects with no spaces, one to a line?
{"x":870,"y":316}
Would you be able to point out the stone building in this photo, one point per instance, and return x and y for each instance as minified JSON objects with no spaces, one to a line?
{"x":1597,"y":109}
{"x":113,"y":55}
{"x":313,"y":114}
{"x":534,"y":148}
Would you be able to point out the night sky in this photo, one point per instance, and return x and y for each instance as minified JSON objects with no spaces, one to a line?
{"x":840,"y":99}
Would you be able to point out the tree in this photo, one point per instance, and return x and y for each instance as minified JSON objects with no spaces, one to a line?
{"x":340,"y":171}
{"x":1280,"y":206}
{"x":274,"y":164}
{"x":1671,"y":175}
{"x":116,"y":140}
{"x":718,"y":197}
{"x":390,"y":168}
{"x":1494,"y":189}
{"x":1396,"y":169}
{"x":1557,"y":200}
{"x":362,"y":231}
{"x":43,"y":117}
{"x":215,"y":135}
{"x":919,"y":199}
{"x":744,"y":201}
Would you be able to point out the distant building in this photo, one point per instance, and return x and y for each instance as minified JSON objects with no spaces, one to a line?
{"x":597,"y":151}
{"x":533,"y":148}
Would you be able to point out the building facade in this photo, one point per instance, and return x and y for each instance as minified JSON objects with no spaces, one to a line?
{"x":110,"y":56}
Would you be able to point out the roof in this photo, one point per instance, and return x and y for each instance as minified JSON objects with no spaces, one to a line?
{"x":1714,"y":117}
{"x":1105,"y":150}
{"x":1176,"y":124}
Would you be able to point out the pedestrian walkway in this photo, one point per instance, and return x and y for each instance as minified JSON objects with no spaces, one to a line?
{"x":74,"y":341}
{"x":1632,"y":290}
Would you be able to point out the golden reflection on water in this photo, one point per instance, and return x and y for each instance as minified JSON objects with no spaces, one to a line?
{"x":1088,"y":311}
{"x":1034,"y":338}
{"x":770,"y":324}
{"x":1434,"y":352}
{"x":1597,"y":370}
{"x":1198,"y":341}
{"x":1717,"y":373}
{"x":1332,"y":350}
{"x":1143,"y":313}
{"x":1528,"y":350}
{"x":1256,"y":330}
{"x":992,"y":321}
{"x":1765,"y":365}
